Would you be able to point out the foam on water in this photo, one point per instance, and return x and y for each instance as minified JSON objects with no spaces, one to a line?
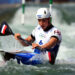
{"x":8,"y":43}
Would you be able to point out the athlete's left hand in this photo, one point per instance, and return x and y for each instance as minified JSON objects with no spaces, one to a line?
{"x":34,"y":45}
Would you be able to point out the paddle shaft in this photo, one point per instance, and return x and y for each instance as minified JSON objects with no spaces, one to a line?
{"x":28,"y":43}
{"x":23,"y":40}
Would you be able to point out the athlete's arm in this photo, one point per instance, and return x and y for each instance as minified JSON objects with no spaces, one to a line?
{"x":52,"y":42}
{"x":29,"y":39}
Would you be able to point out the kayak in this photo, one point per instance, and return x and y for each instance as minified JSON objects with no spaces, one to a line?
{"x":27,"y":58}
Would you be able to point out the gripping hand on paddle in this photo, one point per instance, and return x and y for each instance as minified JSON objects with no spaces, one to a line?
{"x":17,"y":36}
{"x":24,"y":42}
{"x":34,"y":45}
{"x":21,"y":40}
{"x":37,"y":46}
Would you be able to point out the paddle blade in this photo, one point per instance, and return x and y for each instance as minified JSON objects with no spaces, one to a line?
{"x":5,"y":29}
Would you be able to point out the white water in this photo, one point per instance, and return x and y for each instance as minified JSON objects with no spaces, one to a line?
{"x":67,"y":49}
{"x":66,"y":52}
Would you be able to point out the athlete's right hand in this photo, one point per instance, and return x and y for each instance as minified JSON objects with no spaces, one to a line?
{"x":17,"y":36}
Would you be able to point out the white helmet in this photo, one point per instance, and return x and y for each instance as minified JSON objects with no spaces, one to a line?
{"x":43,"y":13}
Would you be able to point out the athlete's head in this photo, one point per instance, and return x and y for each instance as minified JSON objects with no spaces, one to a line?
{"x":43,"y":15}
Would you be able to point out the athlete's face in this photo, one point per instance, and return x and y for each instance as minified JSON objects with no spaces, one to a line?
{"x":44,"y":23}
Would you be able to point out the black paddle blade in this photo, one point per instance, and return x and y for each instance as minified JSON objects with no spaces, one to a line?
{"x":5,"y":29}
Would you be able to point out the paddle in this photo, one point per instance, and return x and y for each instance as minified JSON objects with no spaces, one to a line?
{"x":5,"y":30}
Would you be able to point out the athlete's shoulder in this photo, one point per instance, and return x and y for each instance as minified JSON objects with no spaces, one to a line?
{"x":38,"y":27}
{"x":56,"y":32}
{"x":55,"y":29}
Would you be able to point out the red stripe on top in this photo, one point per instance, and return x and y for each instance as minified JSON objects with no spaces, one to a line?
{"x":4,"y":29}
{"x":49,"y":55}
